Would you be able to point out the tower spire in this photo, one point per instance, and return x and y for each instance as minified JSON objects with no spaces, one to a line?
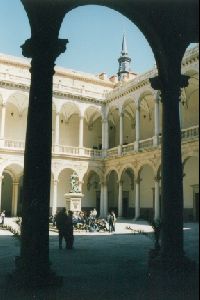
{"x":124,"y":46}
{"x":124,"y":61}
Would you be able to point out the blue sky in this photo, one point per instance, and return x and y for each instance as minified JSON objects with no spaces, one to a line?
{"x":94,"y":33}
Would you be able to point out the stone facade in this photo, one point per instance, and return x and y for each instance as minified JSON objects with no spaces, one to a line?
{"x":107,"y":131}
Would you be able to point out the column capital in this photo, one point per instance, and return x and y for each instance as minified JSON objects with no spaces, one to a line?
{"x":42,"y":48}
{"x":138,"y":180}
{"x":157,"y":178}
{"x":120,"y":182}
{"x":167,"y":86}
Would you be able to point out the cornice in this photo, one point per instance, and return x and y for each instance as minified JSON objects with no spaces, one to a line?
{"x":119,"y":90}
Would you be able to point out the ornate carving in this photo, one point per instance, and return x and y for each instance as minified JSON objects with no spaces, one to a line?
{"x":74,"y":180}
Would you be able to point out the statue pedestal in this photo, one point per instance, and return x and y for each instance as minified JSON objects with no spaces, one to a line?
{"x":73,"y":201}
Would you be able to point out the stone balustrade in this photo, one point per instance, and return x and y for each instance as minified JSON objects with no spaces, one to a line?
{"x":188,"y":134}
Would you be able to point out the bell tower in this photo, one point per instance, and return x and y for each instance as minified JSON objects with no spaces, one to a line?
{"x":124,"y":61}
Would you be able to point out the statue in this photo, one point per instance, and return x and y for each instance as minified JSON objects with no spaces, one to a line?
{"x":74,"y":183}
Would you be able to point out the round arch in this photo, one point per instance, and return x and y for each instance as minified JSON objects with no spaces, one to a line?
{"x":189,"y":104}
{"x":91,"y":190}
{"x":12,"y":187}
{"x":147,"y":105}
{"x":147,"y":191}
{"x":69,"y":124}
{"x":127,"y":205}
{"x":113,"y":189}
{"x":93,"y":127}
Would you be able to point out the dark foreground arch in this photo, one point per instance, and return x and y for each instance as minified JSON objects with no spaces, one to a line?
{"x":169,"y":27}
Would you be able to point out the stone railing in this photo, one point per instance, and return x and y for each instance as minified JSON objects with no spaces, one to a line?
{"x":92,"y":153}
{"x":190,"y":133}
{"x":112,"y":152}
{"x":145,"y":144}
{"x":14,"y":144}
{"x":127,"y":148}
{"x":68,"y":150}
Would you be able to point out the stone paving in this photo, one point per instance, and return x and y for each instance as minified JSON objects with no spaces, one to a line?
{"x":101,"y":267}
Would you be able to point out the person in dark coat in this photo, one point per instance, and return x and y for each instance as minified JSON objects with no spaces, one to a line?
{"x":111,"y":221}
{"x":69,"y":231}
{"x":61,"y":224}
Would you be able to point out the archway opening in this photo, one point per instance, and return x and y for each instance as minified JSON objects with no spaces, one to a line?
{"x":191,"y":189}
{"x":92,"y":192}
{"x":146,"y":193}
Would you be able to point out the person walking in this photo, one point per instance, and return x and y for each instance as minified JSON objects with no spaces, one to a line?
{"x":3,"y":214}
{"x":61,"y":224}
{"x":69,"y":231}
{"x":111,"y":221}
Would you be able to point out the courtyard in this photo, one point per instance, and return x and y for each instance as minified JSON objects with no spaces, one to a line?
{"x":102,"y":266}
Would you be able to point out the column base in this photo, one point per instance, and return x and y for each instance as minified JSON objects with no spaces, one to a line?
{"x":156,"y":141}
{"x":136,"y":219}
{"x":169,"y":279}
{"x":169,"y":265}
{"x":22,"y":277}
{"x":120,"y":150}
{"x":136,"y":146}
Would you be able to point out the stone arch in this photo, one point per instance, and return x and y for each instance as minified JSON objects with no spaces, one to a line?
{"x":93,"y":127}
{"x":147,"y":184}
{"x":146,"y":28}
{"x":16,"y":116}
{"x":189,"y":104}
{"x":69,"y":124}
{"x":127,"y":181}
{"x":129,"y":108}
{"x":91,"y":190}
{"x":12,"y":187}
{"x":113,"y":126}
{"x":146,"y":163}
{"x":112,"y":184}
{"x":147,"y":104}
{"x":64,"y":185}
{"x":110,"y":170}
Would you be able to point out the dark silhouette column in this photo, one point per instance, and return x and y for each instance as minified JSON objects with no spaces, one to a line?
{"x":170,"y":84}
{"x":33,"y":263}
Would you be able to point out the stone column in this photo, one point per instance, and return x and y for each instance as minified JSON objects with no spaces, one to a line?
{"x":81,"y":126}
{"x":181,"y":114}
{"x":105,"y":199}
{"x":137,"y":198}
{"x":33,"y":262}
{"x":137,"y":127}
{"x":120,"y":199}
{"x":3,"y":120}
{"x":106,"y":135}
{"x":15,"y":195}
{"x":57,"y":132}
{"x":157,"y":199}
{"x":171,"y":161}
{"x":121,"y":133}
{"x":1,"y":179}
{"x":102,"y":201}
{"x":157,"y":122}
{"x":103,"y":135}
{"x":54,"y":206}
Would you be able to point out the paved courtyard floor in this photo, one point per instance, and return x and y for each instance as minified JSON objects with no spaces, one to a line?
{"x":101,"y":267}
